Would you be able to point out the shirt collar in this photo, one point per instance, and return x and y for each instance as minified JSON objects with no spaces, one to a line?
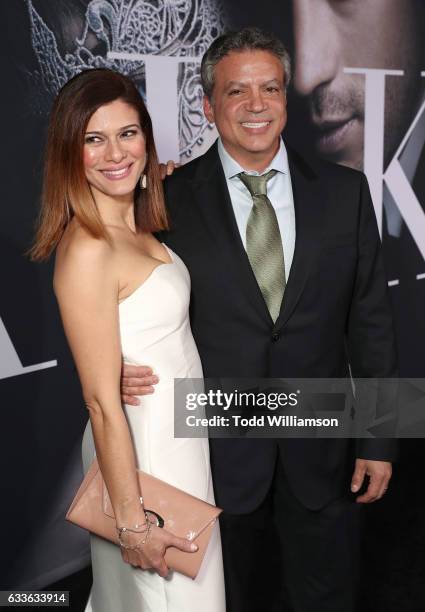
{"x":231,"y":167}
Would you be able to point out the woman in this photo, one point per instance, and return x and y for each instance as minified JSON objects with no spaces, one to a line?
{"x":124,"y":295}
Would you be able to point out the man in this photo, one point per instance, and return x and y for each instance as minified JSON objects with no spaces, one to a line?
{"x":247,"y":206}
{"x":328,"y":115}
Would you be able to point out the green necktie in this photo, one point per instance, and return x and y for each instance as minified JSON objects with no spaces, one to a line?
{"x":263,"y":242}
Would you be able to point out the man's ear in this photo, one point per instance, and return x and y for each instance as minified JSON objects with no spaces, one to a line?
{"x":208,"y":110}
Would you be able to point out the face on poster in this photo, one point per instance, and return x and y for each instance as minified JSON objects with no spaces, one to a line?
{"x":327,"y":36}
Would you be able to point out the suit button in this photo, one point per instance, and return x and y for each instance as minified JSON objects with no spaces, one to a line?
{"x":275,"y":337}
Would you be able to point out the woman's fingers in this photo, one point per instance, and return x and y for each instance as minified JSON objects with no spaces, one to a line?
{"x":151,"y":554}
{"x":181,"y":543}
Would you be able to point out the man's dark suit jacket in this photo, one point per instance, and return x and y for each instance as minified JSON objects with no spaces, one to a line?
{"x":335,"y":311}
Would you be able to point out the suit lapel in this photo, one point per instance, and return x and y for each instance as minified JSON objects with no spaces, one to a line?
{"x":309,"y":201}
{"x":214,"y":203}
{"x":212,"y":195}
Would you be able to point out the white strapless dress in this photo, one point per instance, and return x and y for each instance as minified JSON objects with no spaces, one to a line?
{"x":155,"y":330}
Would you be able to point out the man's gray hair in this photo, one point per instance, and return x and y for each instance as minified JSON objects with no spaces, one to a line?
{"x":248,"y":39}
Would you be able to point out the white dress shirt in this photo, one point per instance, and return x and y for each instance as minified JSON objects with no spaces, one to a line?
{"x":279,"y":192}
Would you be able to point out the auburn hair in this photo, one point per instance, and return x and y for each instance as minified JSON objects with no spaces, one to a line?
{"x":66,"y":192}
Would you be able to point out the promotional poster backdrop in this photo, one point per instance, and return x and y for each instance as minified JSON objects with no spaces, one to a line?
{"x":356,"y":98}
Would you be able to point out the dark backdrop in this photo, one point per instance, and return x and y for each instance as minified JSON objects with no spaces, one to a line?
{"x":43,"y":416}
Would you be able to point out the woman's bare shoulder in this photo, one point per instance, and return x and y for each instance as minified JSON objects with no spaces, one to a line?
{"x":78,"y":243}
{"x":81,"y":253}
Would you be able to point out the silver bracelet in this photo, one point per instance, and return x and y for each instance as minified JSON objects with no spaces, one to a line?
{"x":137,"y":528}
{"x":140,"y":528}
{"x":139,"y":543}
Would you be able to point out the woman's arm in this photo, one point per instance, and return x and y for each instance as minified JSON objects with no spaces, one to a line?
{"x":86,"y":285}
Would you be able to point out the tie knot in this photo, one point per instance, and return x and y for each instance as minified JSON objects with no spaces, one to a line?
{"x":256,"y":185}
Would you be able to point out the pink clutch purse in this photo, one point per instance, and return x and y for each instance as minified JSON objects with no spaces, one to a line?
{"x":176,"y":511}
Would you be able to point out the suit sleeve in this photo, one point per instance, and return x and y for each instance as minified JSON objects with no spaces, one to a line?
{"x":370,"y":332}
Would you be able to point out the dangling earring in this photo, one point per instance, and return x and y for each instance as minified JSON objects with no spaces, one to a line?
{"x":143,"y":176}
